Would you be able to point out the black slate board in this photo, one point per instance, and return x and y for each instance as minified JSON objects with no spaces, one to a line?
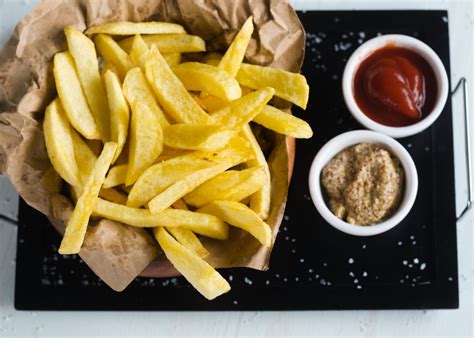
{"x":313,"y":265}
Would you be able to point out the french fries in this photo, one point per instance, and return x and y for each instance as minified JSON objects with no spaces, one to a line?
{"x":170,"y":91}
{"x":283,"y":123}
{"x":261,"y":200}
{"x":204,"y":78}
{"x":170,"y":43}
{"x":232,"y":185}
{"x":289,"y":86}
{"x":146,"y":141}
{"x":119,"y":111}
{"x":117,"y":176}
{"x":132,"y":28}
{"x":85,"y":58}
{"x":77,"y":224}
{"x":161,"y":175}
{"x":141,"y":135}
{"x":188,"y":184}
{"x":241,"y":216}
{"x":59,"y":143}
{"x":72,"y":97}
{"x":204,"y":137}
{"x":232,"y":59}
{"x":136,"y":88}
{"x":203,"y":224}
{"x":113,"y":55}
{"x":240,"y":112}
{"x":197,"y":271}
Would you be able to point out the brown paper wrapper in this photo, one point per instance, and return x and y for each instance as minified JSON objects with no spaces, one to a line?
{"x":117,"y":253}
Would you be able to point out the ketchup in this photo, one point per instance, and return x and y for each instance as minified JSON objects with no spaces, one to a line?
{"x":395,"y":86}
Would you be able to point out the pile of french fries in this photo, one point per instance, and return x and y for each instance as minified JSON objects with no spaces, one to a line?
{"x":145,"y":138}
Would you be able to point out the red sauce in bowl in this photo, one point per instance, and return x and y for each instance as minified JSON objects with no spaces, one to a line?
{"x":395,"y":87}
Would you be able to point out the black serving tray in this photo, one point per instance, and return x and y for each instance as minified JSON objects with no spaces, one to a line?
{"x":313,"y":266}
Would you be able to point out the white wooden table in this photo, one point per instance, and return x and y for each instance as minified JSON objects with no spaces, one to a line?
{"x":434,"y":323}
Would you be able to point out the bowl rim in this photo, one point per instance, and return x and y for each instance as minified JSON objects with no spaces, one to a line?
{"x":404,"y":41}
{"x":341,"y":142}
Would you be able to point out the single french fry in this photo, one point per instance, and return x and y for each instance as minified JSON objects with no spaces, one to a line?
{"x":113,"y":195}
{"x":235,"y":54}
{"x":173,"y":59}
{"x":206,"y":225}
{"x":170,"y":92}
{"x":132,"y":28}
{"x":189,"y":240}
{"x":170,"y":43}
{"x":136,"y":88}
{"x":196,"y":137}
{"x":212,"y":104}
{"x":202,"y":276}
{"x":186,"y":237}
{"x":113,"y":54}
{"x":212,"y":80}
{"x":77,"y":224}
{"x":139,"y":52}
{"x":117,"y":176}
{"x":146,"y":141}
{"x":83,"y":52}
{"x":188,"y":184}
{"x":260,"y":201}
{"x":231,"y":185}
{"x":59,"y":143}
{"x":241,"y":216}
{"x":289,"y":86}
{"x":240,"y":112}
{"x":72,"y":97}
{"x":84,"y":156}
{"x":119,"y":111}
{"x":283,"y":123}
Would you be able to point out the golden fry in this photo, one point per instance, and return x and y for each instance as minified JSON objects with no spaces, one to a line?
{"x":231,"y":185}
{"x":208,"y":79}
{"x":170,"y":92}
{"x":197,"y":271}
{"x":170,"y":43}
{"x":283,"y":123}
{"x":59,"y":143}
{"x":234,"y":56}
{"x":243,"y":110}
{"x":113,"y":55}
{"x":189,"y":183}
{"x":206,"y":225}
{"x":196,"y":137}
{"x":113,"y":195}
{"x":136,"y":88}
{"x":119,"y":111}
{"x":84,"y":155}
{"x":289,"y":86}
{"x":146,"y":141}
{"x":260,"y":201}
{"x":77,"y":225}
{"x":83,"y":52}
{"x":72,"y":97}
{"x":132,"y":28}
{"x":241,"y":216}
{"x":117,"y":176}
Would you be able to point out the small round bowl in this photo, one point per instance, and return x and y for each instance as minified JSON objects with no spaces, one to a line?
{"x":403,"y":41}
{"x":341,"y":142}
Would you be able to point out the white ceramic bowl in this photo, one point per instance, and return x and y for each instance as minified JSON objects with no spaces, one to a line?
{"x":407,"y":42}
{"x":341,"y":142}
